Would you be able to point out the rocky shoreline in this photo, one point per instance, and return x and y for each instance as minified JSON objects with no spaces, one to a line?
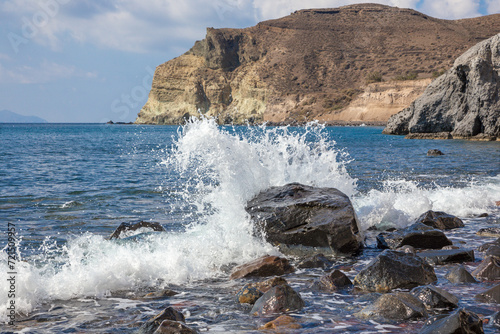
{"x":463,"y":103}
{"x":329,"y":123}
{"x":417,"y":277}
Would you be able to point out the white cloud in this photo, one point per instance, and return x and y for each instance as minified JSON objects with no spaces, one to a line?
{"x":493,"y":6}
{"x":451,"y":9}
{"x":128,"y":25}
{"x":142,"y":26}
{"x":45,"y":72}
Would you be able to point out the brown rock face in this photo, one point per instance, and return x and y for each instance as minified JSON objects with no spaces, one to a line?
{"x":282,"y":323}
{"x":262,"y":267}
{"x":311,"y":65}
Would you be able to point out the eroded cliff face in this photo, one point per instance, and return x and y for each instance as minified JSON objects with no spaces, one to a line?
{"x":205,"y":81}
{"x":464,"y":103}
{"x":310,"y":65}
{"x":379,"y":101}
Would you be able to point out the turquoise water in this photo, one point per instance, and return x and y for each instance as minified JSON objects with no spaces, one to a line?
{"x":66,"y":187}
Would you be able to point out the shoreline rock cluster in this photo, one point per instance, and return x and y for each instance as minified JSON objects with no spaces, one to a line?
{"x":400,"y":282}
{"x":463,"y":103}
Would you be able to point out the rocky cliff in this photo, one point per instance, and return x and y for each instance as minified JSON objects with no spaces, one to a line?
{"x":379,"y":101}
{"x":309,"y":65}
{"x":462,"y":103}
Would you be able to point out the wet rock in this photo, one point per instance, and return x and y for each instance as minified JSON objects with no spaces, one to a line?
{"x":493,"y":250}
{"x":434,"y":297}
{"x":127,"y":229}
{"x":407,"y":249}
{"x":282,"y":323}
{"x":253,"y":291}
{"x":333,"y":281}
{"x":266,"y":285}
{"x":459,"y":275}
{"x":394,"y":306}
{"x":495,"y":320}
{"x":491,"y":295}
{"x":434,"y":152}
{"x":248,"y":295}
{"x":315,"y":261}
{"x":488,"y":269}
{"x":484,"y":247}
{"x":460,"y":321}
{"x":262,"y":267}
{"x":417,"y":235}
{"x":299,"y":215}
{"x":279,"y":299}
{"x":161,"y":294}
{"x":489,"y":232}
{"x":152,"y":324}
{"x":444,"y":256}
{"x":440,"y":220}
{"x":174,"y":327}
{"x":391,"y":270}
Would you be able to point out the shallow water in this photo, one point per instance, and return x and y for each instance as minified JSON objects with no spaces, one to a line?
{"x":65,"y":188}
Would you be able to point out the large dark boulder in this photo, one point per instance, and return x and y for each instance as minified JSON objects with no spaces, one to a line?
{"x":463,"y":102}
{"x":394,"y":306}
{"x":443,"y":256}
{"x":299,"y":215}
{"x":417,"y":235}
{"x":434,"y":297}
{"x":392,"y":270}
{"x":440,"y":220}
{"x":460,"y":321}
{"x":263,"y":267}
{"x":278,"y":299}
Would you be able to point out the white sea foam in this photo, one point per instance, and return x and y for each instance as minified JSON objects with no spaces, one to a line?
{"x":400,"y":202}
{"x":220,"y":171}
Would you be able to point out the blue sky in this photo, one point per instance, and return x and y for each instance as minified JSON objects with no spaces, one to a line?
{"x":92,"y":61}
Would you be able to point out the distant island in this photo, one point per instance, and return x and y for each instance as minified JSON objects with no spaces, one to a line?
{"x":7,"y":116}
{"x":357,"y":63}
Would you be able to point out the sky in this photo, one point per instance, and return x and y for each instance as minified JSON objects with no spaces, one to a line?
{"x":90,"y":61}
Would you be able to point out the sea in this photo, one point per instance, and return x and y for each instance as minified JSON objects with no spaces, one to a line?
{"x":64,"y":188}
